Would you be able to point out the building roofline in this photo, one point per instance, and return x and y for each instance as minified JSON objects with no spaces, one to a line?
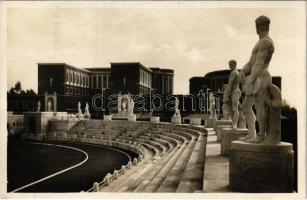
{"x":156,"y":69}
{"x":65,"y":64}
{"x":137,"y":63}
{"x":94,"y":69}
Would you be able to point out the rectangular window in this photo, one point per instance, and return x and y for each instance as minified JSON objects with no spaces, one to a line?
{"x":99,"y":81}
{"x":105,"y":84}
{"x":141,"y":76}
{"x":94,"y":81}
{"x":67,"y":76}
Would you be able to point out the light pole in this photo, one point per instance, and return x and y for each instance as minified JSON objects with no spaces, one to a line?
{"x":150,"y":99}
{"x":202,"y":102}
{"x":103,"y":98}
{"x":208,"y":89}
{"x":218,"y":105}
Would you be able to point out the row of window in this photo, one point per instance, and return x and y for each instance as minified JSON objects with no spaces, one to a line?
{"x":145,"y":78}
{"x":17,"y":124}
{"x":144,"y":90}
{"x":167,"y":85}
{"x":76,"y":91}
{"x":100,"y":81}
{"x":77,"y":78}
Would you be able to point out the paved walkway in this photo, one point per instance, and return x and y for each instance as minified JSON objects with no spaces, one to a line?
{"x":216,"y":166}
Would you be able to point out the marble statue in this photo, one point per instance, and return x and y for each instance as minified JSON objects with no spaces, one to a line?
{"x":212,"y":106}
{"x":79,"y":114}
{"x":241,"y":121}
{"x":259,"y":91}
{"x":226,"y":107}
{"x":86,"y":111}
{"x":79,"y":108}
{"x":232,"y":93}
{"x":38,"y":106}
{"x":273,"y":101}
{"x":124,"y":104}
{"x":177,"y":111}
{"x":131,"y":107}
{"x":49,"y":105}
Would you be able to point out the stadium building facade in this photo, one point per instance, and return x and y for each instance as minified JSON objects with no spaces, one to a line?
{"x":67,"y":85}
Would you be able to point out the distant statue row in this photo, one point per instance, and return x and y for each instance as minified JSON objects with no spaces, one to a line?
{"x":79,"y":114}
{"x":258,"y":89}
{"x":86,"y":111}
{"x":125,"y":104}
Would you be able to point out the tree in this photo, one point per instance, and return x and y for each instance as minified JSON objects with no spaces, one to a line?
{"x":11,"y":91}
{"x":30,"y":92}
{"x":17,"y":87}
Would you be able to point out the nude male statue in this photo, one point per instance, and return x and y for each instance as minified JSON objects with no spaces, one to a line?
{"x":233,"y":93}
{"x":212,"y":106}
{"x":226,"y":108}
{"x":257,"y":82}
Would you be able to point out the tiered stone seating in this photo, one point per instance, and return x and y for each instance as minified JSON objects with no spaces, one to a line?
{"x":192,"y":178}
{"x":174,"y":154}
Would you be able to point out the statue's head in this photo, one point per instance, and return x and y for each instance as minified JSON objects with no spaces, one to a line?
{"x":232,"y":64}
{"x":262,"y":24}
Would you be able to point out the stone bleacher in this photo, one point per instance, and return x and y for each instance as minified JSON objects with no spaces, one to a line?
{"x":173,"y":156}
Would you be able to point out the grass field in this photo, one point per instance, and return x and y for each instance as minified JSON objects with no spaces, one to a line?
{"x":28,"y":162}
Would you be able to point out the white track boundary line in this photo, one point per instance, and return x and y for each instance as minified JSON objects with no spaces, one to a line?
{"x":57,"y":173}
{"x":101,"y":146}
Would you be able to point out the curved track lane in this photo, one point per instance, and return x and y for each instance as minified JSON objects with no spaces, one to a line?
{"x":101,"y":160}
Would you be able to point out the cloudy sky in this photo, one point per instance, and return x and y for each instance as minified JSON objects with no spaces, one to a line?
{"x":192,"y":39}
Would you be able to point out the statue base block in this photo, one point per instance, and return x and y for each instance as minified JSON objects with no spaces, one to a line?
{"x":219,"y":129}
{"x":261,"y":167}
{"x":227,"y":136}
{"x":195,"y":121}
{"x":36,"y":137}
{"x":107,"y":117}
{"x":210,"y":123}
{"x":87,"y":116}
{"x":176,"y":120}
{"x":155,"y":119}
{"x":221,"y":122}
{"x":132,"y":118}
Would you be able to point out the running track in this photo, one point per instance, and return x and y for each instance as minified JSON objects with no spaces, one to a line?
{"x":100,"y":161}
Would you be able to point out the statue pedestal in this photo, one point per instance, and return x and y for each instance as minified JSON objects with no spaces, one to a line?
{"x":155,"y":119}
{"x":219,"y":129}
{"x":87,"y":116}
{"x":221,"y":122}
{"x":261,"y":167}
{"x":132,"y":118}
{"x":227,"y":136}
{"x":210,"y":123}
{"x":107,"y":117}
{"x":176,"y":120}
{"x":195,"y":121}
{"x":79,"y":116}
